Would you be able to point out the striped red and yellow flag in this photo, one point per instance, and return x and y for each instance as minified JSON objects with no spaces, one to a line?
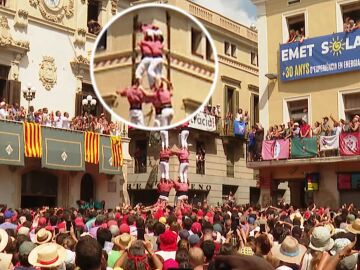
{"x":32,"y":140}
{"x":92,"y":147}
{"x":116,"y":151}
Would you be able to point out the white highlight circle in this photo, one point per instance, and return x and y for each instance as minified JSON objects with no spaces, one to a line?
{"x":164,"y":6}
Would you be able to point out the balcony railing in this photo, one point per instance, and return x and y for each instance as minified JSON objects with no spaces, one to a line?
{"x":344,"y":146}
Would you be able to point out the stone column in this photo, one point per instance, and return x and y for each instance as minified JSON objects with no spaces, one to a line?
{"x":265,"y":189}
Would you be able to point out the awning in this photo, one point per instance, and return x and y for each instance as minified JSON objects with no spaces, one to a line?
{"x":11,"y":143}
{"x":62,"y":149}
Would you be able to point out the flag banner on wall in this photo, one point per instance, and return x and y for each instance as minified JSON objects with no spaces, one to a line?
{"x":32,"y":140}
{"x":116,"y":150}
{"x":239,"y":128}
{"x":349,"y":144}
{"x":106,"y":159}
{"x":304,"y":147}
{"x":329,"y":142}
{"x":63,"y":149}
{"x":275,"y":149}
{"x":91,"y":144}
{"x":11,"y":143}
{"x":344,"y":181}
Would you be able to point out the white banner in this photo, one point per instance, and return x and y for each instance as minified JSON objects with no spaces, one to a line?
{"x":203,"y":121}
{"x":329,"y":142}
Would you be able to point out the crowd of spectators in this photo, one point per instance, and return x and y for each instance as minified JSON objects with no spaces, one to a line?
{"x":85,"y":122}
{"x":213,"y":110}
{"x":350,"y":24}
{"x":181,"y":237}
{"x":296,"y":35}
{"x":299,"y":129}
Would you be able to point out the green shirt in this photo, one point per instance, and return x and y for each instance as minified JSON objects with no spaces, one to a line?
{"x":113,"y":256}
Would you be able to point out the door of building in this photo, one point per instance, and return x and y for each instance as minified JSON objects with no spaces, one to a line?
{"x":87,"y":188}
{"x":39,"y":189}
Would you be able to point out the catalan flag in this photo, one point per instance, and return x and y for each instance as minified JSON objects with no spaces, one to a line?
{"x":92,"y":147}
{"x":116,"y":151}
{"x":32,"y":140}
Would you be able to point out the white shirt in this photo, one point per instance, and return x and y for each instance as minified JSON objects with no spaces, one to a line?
{"x":65,"y":122}
{"x":283,"y":267}
{"x":58,"y":122}
{"x":3,"y":113}
{"x":166,"y":255}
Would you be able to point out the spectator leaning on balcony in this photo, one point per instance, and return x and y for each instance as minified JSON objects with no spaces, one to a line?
{"x":305,"y":129}
{"x":325,"y":127}
{"x":317,"y":129}
{"x":296,"y":130}
{"x":239,"y":115}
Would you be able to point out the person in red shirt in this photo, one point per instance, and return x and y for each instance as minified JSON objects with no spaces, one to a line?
{"x":164,"y":188}
{"x":146,"y":53}
{"x":183,"y":155}
{"x":183,"y":135}
{"x":164,"y":95}
{"x":305,"y":129}
{"x":156,"y":65}
{"x":181,"y":191}
{"x":164,"y":163}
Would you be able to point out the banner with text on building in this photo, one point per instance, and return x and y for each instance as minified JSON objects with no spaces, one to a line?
{"x":320,"y":56}
{"x":204,"y":122}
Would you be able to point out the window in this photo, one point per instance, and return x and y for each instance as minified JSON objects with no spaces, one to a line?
{"x":227,"y":189}
{"x":196,"y":42}
{"x":230,"y":161}
{"x":233,"y":50}
{"x":93,"y":15}
{"x":292,"y":2}
{"x":4,"y":73}
{"x":231,"y":100}
{"x":295,"y":30}
{"x":227,"y":48}
{"x":140,"y":155}
{"x":254,"y":109}
{"x":298,"y":110}
{"x":3,"y":3}
{"x":209,"y":51}
{"x":254,"y":59}
{"x":102,"y":42}
{"x":200,"y":158}
{"x":350,"y":15}
{"x":351,"y":105}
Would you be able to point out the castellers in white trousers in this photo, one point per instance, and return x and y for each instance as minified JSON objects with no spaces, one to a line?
{"x":164,"y":169}
{"x":183,"y":172}
{"x":183,"y":136}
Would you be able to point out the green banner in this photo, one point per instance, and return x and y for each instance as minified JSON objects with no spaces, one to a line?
{"x":105,"y":157}
{"x":304,"y":147}
{"x":62,"y":149}
{"x":11,"y":143}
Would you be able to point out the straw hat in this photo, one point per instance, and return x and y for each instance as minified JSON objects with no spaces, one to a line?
{"x":339,"y":245}
{"x":124,"y":240}
{"x":4,"y":237}
{"x":354,"y":227}
{"x":47,"y":255}
{"x":321,"y":240}
{"x":5,"y":260}
{"x":297,"y":215}
{"x":43,"y":236}
{"x":290,"y":251}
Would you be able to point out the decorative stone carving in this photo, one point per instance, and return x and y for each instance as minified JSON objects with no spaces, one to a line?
{"x":47,"y":72}
{"x":6,"y":39}
{"x":21,"y":18}
{"x":80,"y":37}
{"x":80,"y":66}
{"x":14,"y":70}
{"x":67,"y":9}
{"x":114,"y":6}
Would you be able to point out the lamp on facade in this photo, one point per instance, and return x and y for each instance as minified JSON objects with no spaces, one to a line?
{"x":271,"y":76}
{"x":88,"y":104}
{"x":29,"y":93}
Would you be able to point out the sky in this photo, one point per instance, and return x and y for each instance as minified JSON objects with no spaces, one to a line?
{"x":242,"y":11}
